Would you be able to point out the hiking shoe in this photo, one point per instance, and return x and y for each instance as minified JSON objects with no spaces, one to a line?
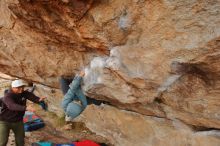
{"x":68,"y":118}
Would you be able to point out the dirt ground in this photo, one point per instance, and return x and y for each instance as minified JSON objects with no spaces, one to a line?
{"x":54,"y":132}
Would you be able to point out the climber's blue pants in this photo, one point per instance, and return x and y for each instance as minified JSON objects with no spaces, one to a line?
{"x":73,"y":95}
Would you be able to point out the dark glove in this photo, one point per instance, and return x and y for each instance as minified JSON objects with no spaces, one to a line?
{"x":43,"y":105}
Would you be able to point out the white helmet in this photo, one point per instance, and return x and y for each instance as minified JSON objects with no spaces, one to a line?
{"x":18,"y":83}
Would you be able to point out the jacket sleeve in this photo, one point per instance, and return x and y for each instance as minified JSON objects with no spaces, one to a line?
{"x":70,"y":95}
{"x":82,"y":98}
{"x":76,"y":88}
{"x":30,"y":96}
{"x":12,"y":105}
{"x":68,"y":98}
{"x":75,"y":83}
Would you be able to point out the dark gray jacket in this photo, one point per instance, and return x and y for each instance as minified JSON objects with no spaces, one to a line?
{"x":14,"y":105}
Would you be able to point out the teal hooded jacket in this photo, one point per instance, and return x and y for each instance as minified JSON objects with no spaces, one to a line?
{"x":70,"y":102}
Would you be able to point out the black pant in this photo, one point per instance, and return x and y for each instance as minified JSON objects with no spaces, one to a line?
{"x":64,"y":83}
{"x":17,"y":128}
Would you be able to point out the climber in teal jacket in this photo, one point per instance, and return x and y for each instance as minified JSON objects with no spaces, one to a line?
{"x":74,"y":101}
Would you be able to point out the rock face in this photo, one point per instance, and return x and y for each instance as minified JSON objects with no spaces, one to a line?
{"x":154,"y":58}
{"x":125,"y":128}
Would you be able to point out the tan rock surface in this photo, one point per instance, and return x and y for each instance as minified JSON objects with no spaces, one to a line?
{"x":127,"y":128}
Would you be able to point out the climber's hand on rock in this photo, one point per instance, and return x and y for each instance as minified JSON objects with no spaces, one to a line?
{"x":82,"y":74}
